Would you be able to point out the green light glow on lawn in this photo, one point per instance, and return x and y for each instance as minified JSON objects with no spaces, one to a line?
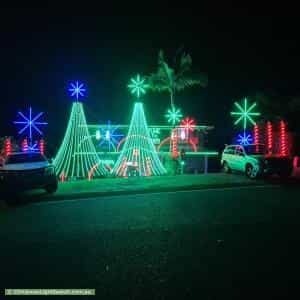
{"x":245,"y":114}
{"x":138,"y":152}
{"x":173,"y":115}
{"x":138,"y":86}
{"x":77,"y":154}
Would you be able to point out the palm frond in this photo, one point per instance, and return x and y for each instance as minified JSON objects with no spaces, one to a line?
{"x":163,"y":79}
{"x":185,"y":64}
{"x":161,"y":57}
{"x":157,"y":82}
{"x":184,"y":82}
{"x":174,"y":79}
{"x":164,"y":70}
{"x":169,"y":73}
{"x":203,"y":79}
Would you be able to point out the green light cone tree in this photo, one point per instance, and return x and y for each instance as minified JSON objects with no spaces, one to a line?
{"x":138,"y":152}
{"x":77,"y":156}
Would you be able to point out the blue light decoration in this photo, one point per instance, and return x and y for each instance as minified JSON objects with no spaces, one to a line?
{"x":31,"y":125}
{"x":109,"y":136}
{"x":77,"y":90}
{"x":33,"y":147}
{"x":244,"y":138}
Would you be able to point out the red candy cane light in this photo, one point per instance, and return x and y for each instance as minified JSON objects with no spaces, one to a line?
{"x":269,"y":136}
{"x":283,"y":139}
{"x":7,"y":146}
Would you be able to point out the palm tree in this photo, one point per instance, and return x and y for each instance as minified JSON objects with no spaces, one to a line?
{"x":174,"y":79}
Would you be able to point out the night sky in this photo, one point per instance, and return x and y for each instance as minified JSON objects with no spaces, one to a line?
{"x":41,"y":55}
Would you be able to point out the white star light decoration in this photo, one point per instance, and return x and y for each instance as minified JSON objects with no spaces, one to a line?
{"x":77,"y":89}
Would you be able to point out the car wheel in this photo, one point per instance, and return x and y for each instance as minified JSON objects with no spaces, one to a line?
{"x":226,"y":168}
{"x":52,"y":188}
{"x":251,"y":172}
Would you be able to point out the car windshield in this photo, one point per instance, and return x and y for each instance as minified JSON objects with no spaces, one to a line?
{"x":255,"y":149}
{"x":25,"y":158}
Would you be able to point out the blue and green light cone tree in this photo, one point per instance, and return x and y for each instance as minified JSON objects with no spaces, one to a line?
{"x":77,"y":156}
{"x":138,"y":152}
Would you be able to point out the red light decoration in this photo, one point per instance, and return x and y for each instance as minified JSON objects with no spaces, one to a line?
{"x":42,"y":146}
{"x":166,"y":140}
{"x":174,"y":142}
{"x":188,"y":123}
{"x":193,"y":145}
{"x":62,"y":177}
{"x":92,"y":170}
{"x":283,"y":138}
{"x":7,"y":146}
{"x":135,"y":152}
{"x":120,"y":143}
{"x":163,"y":142}
{"x":269,"y":137}
{"x":148,"y":166}
{"x":256,"y":134}
{"x":25,"y":145}
{"x":296,"y":162}
{"x":123,"y":167}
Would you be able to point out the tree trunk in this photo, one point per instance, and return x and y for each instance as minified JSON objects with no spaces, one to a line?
{"x":172,"y":99}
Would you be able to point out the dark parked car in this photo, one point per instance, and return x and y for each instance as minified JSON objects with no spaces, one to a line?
{"x":23,"y":171}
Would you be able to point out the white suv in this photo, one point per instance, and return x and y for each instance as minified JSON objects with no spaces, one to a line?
{"x":253,"y":160}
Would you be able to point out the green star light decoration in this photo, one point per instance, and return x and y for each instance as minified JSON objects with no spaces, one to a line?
{"x":245,"y":114}
{"x":138,"y":86}
{"x":173,"y":115}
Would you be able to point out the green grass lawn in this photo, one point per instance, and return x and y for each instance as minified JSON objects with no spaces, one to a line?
{"x":80,"y":189}
{"x":144,"y":184}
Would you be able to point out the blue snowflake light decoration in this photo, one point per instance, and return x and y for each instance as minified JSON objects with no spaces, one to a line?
{"x":109,"y":136}
{"x":30,"y":124}
{"x":244,"y":139}
{"x":77,"y":90}
{"x":33,"y":147}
